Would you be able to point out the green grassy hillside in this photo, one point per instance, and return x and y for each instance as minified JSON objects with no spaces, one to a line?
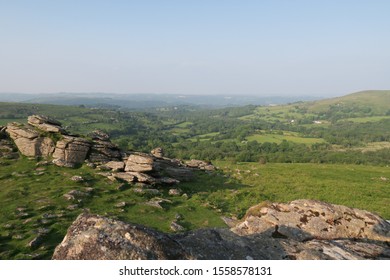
{"x":377,"y":100}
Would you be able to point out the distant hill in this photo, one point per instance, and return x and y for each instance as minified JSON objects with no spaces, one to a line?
{"x":377,"y":100}
{"x":140,"y":101}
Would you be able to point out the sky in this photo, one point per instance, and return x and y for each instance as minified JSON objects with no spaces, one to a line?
{"x":248,"y":47}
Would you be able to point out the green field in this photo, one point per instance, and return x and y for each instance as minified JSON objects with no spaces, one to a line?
{"x":7,"y":121}
{"x":367,"y":119}
{"x":288,"y":136}
{"x":184,"y":124}
{"x":204,"y":137}
{"x":364,"y":187}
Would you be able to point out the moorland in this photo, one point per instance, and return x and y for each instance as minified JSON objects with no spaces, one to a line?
{"x":335,"y":150}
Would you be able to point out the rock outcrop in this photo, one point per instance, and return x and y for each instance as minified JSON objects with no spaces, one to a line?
{"x":200,"y":164}
{"x":45,"y":137}
{"x":29,"y":141}
{"x":307,"y":219}
{"x":158,"y":152}
{"x":274,"y":231}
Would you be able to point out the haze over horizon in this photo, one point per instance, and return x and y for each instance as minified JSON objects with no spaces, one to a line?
{"x":261,"y":48}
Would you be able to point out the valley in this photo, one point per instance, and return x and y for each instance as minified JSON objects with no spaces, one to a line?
{"x":335,"y":150}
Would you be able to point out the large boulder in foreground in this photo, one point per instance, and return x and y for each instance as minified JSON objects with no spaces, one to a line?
{"x":96,"y":237}
{"x":307,"y":219}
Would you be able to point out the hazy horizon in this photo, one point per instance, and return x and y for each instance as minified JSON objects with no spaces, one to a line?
{"x":251,"y":48}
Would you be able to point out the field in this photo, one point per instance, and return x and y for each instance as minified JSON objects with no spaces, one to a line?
{"x":365,"y":187}
{"x":284,"y":135}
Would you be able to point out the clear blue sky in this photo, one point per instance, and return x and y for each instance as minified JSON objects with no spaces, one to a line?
{"x":263,"y":47}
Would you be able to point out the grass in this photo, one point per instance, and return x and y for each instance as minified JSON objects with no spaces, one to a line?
{"x":376,"y":99}
{"x":32,"y":202}
{"x":227,"y":192}
{"x":184,"y":124}
{"x":203,"y":137}
{"x":285,"y":135}
{"x":7,"y":121}
{"x":356,"y":186}
{"x":367,"y":119}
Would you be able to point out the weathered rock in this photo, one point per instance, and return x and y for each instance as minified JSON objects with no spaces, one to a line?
{"x":40,"y":119}
{"x":115,"y":165}
{"x":200,"y":164}
{"x":168,"y":181}
{"x":143,"y":178}
{"x":125,"y":176}
{"x":29,"y":142}
{"x":230,"y":222}
{"x":71,"y":151}
{"x":104,"y":168}
{"x":46,"y":124}
{"x":36,"y":242}
{"x":146,"y":191}
{"x":158,"y":152}
{"x":306,"y":219}
{"x":63,"y":163}
{"x":91,"y":165}
{"x":7,"y":148}
{"x":38,"y":147}
{"x":77,"y":178}
{"x":175,"y":192}
{"x":121,"y":204}
{"x":75,"y":194}
{"x":17,"y":130}
{"x":95,"y":237}
{"x":176,"y":227}
{"x":104,"y":151}
{"x":89,"y":190}
{"x":157,"y":202}
{"x":72,"y":207}
{"x":99,"y":135}
{"x":139,"y":163}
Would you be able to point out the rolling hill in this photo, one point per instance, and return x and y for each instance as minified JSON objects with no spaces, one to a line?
{"x":377,"y":100}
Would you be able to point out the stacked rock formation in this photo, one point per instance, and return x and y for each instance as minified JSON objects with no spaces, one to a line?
{"x":302,"y":229}
{"x":45,"y":137}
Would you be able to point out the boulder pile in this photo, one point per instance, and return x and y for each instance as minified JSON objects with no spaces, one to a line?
{"x":45,"y":137}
